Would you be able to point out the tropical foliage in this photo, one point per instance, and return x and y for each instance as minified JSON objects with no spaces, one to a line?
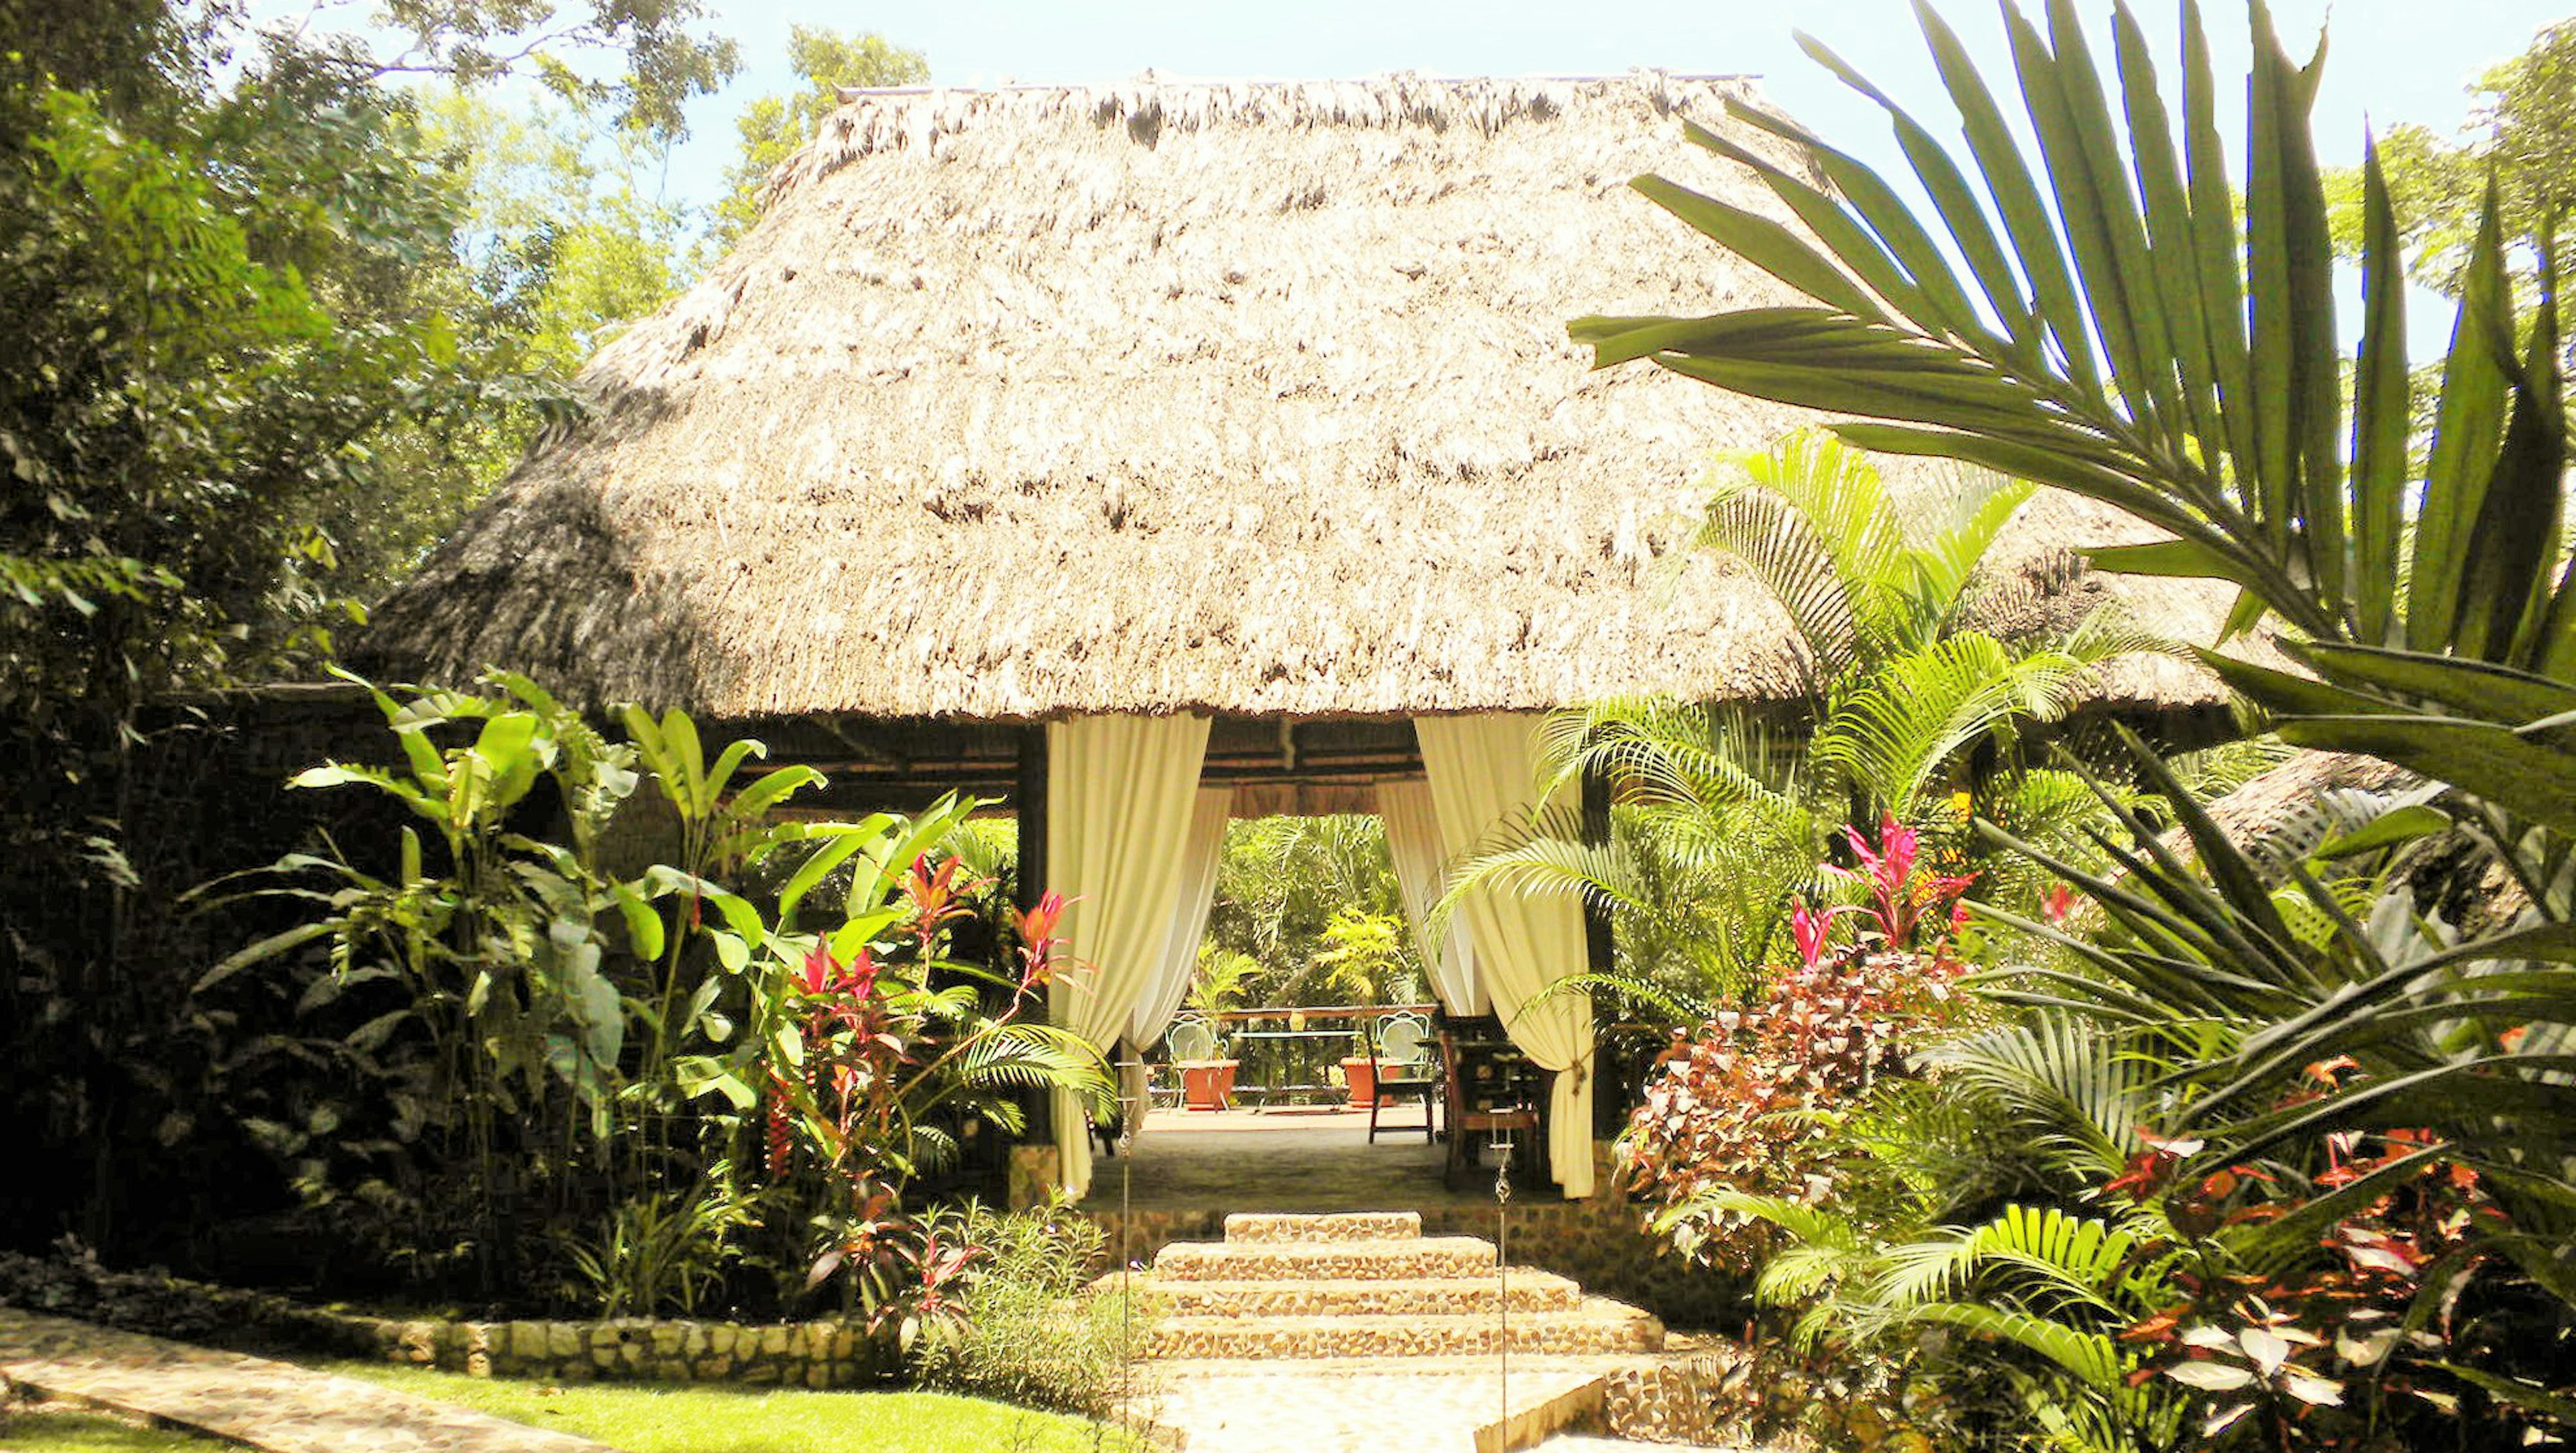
{"x":1905,"y":705}
{"x":1308,"y":909}
{"x":2117,"y":332}
{"x":1752,"y":1103}
{"x":261,"y":340}
{"x":626,"y":1069}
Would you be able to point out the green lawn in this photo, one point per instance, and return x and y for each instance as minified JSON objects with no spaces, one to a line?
{"x":25,"y":1431}
{"x":717,"y":1418}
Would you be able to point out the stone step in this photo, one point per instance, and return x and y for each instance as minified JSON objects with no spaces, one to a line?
{"x":1597,"y":1326}
{"x":1268,"y":1228}
{"x":1530,"y":1290}
{"x":1427,"y":1257}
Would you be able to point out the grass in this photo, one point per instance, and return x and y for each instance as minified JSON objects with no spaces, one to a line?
{"x":719,"y":1418}
{"x":45,"y":1430}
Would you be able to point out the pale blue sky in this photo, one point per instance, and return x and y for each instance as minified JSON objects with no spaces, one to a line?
{"x":2393,"y":60}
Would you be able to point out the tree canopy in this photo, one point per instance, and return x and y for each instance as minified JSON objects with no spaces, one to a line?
{"x":773,"y":127}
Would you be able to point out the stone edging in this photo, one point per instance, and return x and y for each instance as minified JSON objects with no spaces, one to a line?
{"x":780,"y":1354}
{"x":814,"y":1354}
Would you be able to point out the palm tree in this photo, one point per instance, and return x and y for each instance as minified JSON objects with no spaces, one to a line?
{"x":1285,"y":883}
{"x":2117,"y":334}
{"x":1721,"y":816}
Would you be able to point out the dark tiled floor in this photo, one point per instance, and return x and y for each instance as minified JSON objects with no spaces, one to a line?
{"x":1282,"y":1160}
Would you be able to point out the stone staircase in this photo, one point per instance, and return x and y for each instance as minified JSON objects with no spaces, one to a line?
{"x":1371,"y":1285}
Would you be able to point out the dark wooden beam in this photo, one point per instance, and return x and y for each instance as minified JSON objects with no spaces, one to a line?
{"x":1600,"y":942}
{"x":1029,"y":804}
{"x":1030,"y":798}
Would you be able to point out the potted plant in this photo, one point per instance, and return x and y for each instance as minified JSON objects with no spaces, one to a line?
{"x":1207,"y":1075}
{"x":1359,"y":1072}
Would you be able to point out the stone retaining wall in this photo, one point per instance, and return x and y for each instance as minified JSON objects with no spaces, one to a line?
{"x":818,"y":1354}
{"x":792,"y":1354}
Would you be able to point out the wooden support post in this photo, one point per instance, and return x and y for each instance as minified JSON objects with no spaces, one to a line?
{"x":1030,"y":882}
{"x":1599,"y":945}
{"x":1029,"y":804}
{"x":1600,"y":951}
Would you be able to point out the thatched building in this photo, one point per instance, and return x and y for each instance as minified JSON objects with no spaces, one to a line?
{"x":1248,"y":405}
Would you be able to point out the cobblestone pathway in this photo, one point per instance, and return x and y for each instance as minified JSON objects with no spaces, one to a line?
{"x":1327,"y":1405}
{"x":268,"y":1405}
{"x":1318,"y":1333}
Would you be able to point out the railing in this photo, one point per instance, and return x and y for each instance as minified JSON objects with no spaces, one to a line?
{"x":1286,"y":1053}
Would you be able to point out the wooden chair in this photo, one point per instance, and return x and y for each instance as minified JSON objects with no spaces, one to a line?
{"x":1404,"y":1061}
{"x":1494,"y":1091}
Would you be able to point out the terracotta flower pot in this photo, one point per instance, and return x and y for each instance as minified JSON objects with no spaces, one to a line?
{"x":1360,"y":1073}
{"x":1208,"y":1084}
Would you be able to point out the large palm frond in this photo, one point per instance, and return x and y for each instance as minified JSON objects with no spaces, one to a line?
{"x":1923,"y":710}
{"x":2077,"y":1089}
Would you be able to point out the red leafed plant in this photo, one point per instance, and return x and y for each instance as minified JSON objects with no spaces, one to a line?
{"x":864,"y":1045}
{"x":2357,"y":1348}
{"x":1745,"y":1102}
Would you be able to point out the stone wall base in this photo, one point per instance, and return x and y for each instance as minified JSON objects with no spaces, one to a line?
{"x":637,"y":1349}
{"x":1035,"y":1172}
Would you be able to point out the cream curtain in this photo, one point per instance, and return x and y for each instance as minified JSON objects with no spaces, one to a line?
{"x":1483,"y":769}
{"x":1122,"y":792}
{"x":1413,"y":838}
{"x":1201,"y":851}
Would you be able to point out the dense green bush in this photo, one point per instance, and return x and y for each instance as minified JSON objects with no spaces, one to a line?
{"x":594,"y":1058}
{"x":1035,"y":1329}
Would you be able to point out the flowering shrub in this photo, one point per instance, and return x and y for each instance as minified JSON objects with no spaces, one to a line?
{"x":1748,"y":1102}
{"x":857,"y":1056}
{"x":2379,"y":1342}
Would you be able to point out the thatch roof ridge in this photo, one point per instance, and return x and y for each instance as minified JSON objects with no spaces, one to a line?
{"x":1009,"y":408}
{"x":874,"y":120}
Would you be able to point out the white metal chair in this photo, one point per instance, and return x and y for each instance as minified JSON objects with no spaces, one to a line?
{"x":1404,"y":1060}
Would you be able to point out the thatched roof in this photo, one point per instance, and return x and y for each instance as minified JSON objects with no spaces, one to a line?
{"x":2281,"y":812}
{"x":1244,"y":398}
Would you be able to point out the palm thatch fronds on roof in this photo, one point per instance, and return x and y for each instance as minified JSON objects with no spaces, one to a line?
{"x":1246,"y":398}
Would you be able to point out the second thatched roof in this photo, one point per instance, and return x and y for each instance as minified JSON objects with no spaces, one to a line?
{"x":1249,"y":399}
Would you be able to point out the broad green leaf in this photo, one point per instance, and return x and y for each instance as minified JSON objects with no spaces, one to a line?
{"x":2474,"y":688}
{"x":728,"y":762}
{"x":700,"y":1074}
{"x":2468,"y":429}
{"x":2218,"y":258}
{"x":2008,"y":181}
{"x":772,"y":788}
{"x":2405,"y":825}
{"x":688,"y":765}
{"x":859,"y":931}
{"x":505,"y":742}
{"x":1844,"y":240}
{"x":337,"y":774}
{"x":1960,"y":211}
{"x":2381,"y":422}
{"x":1764,"y":243}
{"x":2534,"y":783}
{"x":2173,"y":250}
{"x":2521,"y":522}
{"x":2079,"y":147}
{"x":643,"y":922}
{"x":265,"y":949}
{"x":833,"y":852}
{"x":2027,"y":461}
{"x":700,"y":1000}
{"x":2189,"y":559}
